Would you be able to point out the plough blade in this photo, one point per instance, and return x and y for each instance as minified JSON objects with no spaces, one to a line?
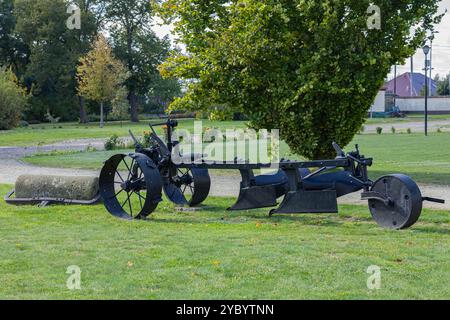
{"x":256,"y":197}
{"x":260,"y":191}
{"x":301,"y":201}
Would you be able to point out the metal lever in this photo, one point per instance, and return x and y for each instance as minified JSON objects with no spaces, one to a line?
{"x":136,"y":141}
{"x":433,"y":200}
{"x":338,"y":149}
{"x":373,"y":195}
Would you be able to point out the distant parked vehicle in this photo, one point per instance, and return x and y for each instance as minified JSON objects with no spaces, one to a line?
{"x":394,"y":113}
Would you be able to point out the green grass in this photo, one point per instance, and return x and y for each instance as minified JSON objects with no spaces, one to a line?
{"x":426,"y":159}
{"x":215,"y":254}
{"x":48,"y":133}
{"x":409,"y":118}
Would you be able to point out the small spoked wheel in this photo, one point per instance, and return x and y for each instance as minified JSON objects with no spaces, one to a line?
{"x":187,"y":186}
{"x":405,"y":202}
{"x":185,"y":181}
{"x":130,"y":186}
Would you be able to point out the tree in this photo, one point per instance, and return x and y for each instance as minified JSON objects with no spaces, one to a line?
{"x":54,"y":52}
{"x":443,"y":85}
{"x":309,"y":68}
{"x":12,"y":100}
{"x":135,"y":43}
{"x":13,"y":52}
{"x":100,"y":75}
{"x":92,"y":13}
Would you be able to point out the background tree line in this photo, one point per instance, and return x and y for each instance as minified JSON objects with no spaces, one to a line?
{"x":43,"y":53}
{"x":443,"y":85}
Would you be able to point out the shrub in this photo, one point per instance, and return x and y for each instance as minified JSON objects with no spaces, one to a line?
{"x":51,"y":118}
{"x":393,"y":130}
{"x":363,"y":128}
{"x":24,"y":124}
{"x":90,"y":148}
{"x":220,"y":114}
{"x":409,"y":131}
{"x":439,"y":130}
{"x":147,"y":139}
{"x":379,"y":130}
{"x":12,"y":100}
{"x":113,"y":143}
{"x":201,"y":115}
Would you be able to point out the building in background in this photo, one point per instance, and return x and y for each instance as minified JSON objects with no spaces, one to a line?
{"x":404,"y":88}
{"x":409,"y":98}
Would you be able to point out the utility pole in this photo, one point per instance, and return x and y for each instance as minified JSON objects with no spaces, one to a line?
{"x":395,"y":85}
{"x":431,"y":68}
{"x":411,"y":77}
{"x":426,"y":51}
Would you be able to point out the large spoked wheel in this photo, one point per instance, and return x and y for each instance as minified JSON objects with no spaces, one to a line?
{"x":405,"y":202}
{"x":187,"y":187}
{"x":130,"y":186}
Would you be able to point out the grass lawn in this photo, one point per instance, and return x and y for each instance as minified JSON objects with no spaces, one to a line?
{"x":48,"y":133}
{"x":426,"y":159}
{"x":409,"y":118}
{"x":214,"y":254}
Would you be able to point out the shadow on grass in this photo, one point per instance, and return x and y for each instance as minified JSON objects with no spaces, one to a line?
{"x":217,"y":215}
{"x":431,"y":229}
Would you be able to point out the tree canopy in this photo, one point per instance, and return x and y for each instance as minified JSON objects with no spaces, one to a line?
{"x":443,"y":85}
{"x":42,"y":45}
{"x":54,"y":51}
{"x":101,"y":76}
{"x":137,"y":45}
{"x":310,"y":68}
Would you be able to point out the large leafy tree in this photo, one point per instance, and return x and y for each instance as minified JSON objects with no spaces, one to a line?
{"x":308,"y":67}
{"x":137,"y":45}
{"x":54,"y":54}
{"x":13,"y":52}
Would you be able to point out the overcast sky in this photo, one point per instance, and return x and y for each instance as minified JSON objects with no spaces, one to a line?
{"x":441,"y":47}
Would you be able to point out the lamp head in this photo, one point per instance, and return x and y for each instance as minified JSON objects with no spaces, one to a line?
{"x":426,"y":49}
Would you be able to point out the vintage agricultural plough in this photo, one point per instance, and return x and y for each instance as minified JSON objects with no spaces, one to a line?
{"x":131,"y":185}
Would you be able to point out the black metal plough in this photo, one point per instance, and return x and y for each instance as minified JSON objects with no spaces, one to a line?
{"x":131,"y":185}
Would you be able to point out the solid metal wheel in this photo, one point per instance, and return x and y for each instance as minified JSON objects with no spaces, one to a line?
{"x":187,"y":187}
{"x":405,"y":199}
{"x":130,"y":186}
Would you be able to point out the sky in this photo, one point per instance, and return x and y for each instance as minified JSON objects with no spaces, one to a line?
{"x":441,"y":49}
{"x":440,"y":52}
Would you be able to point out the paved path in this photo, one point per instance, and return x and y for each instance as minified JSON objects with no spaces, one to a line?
{"x":11,"y":166}
{"x":228,"y":186}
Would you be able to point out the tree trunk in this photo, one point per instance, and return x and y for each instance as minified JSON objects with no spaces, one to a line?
{"x":133,"y":106}
{"x":83,"y":116}
{"x":102,"y":123}
{"x":132,"y":88}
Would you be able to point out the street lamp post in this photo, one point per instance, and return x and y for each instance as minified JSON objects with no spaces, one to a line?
{"x":426,"y":50}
